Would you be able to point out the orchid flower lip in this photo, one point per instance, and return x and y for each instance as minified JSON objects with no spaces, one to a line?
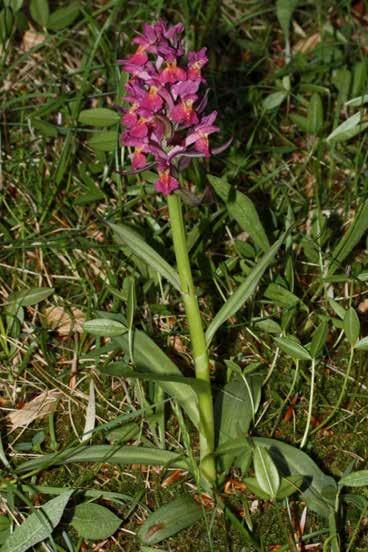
{"x":165,"y":117}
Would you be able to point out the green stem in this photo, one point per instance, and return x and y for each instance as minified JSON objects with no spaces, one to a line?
{"x":199,"y":345}
{"x":334,"y":535}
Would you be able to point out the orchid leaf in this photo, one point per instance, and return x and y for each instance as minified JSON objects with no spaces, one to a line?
{"x":141,"y":248}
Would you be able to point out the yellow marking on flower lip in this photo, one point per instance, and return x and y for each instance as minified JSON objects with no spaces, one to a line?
{"x":153,"y":91}
{"x":188,"y":105}
{"x":197,"y":65}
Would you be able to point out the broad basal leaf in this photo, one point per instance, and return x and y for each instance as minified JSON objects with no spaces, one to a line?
{"x":169,"y":520}
{"x":318,"y":490}
{"x":235,"y":408}
{"x":94,"y":522}
{"x":148,"y":357}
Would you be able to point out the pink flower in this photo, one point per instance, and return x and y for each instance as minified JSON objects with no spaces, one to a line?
{"x":139,"y":160}
{"x":196,"y":61}
{"x":130,"y":118}
{"x":152,"y":101}
{"x":199,"y":136}
{"x":184,"y":113}
{"x":166,"y":183}
{"x":172,"y":73}
{"x":185,"y":89}
{"x":139,"y":58}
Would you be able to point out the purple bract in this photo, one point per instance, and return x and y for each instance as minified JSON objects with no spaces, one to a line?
{"x":164,"y":122}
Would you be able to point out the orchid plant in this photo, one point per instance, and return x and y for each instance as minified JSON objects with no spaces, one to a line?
{"x":166,"y":121}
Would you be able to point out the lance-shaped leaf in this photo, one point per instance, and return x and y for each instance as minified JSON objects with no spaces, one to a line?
{"x":107,"y":454}
{"x":244,"y":291}
{"x":150,"y":358}
{"x":30,"y":296}
{"x":241,"y":209}
{"x":318,"y":490}
{"x":284,"y":12}
{"x":291,"y":346}
{"x":145,"y":252}
{"x":319,"y":338}
{"x":351,"y":326}
{"x":349,"y":128}
{"x":355,"y":479}
{"x":362,"y":344}
{"x":38,"y":526}
{"x":99,"y":117}
{"x":104,"y":327}
{"x":266,"y":472}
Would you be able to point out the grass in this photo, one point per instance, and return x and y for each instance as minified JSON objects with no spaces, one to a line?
{"x":56,"y":190}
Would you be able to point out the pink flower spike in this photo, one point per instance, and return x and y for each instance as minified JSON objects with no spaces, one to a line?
{"x":164,"y":116}
{"x":166,"y":183}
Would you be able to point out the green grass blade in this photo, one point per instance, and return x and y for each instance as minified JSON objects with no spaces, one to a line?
{"x":350,"y":239}
{"x":243,"y":292}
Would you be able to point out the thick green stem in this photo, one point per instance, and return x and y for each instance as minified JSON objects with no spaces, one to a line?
{"x":199,"y":346}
